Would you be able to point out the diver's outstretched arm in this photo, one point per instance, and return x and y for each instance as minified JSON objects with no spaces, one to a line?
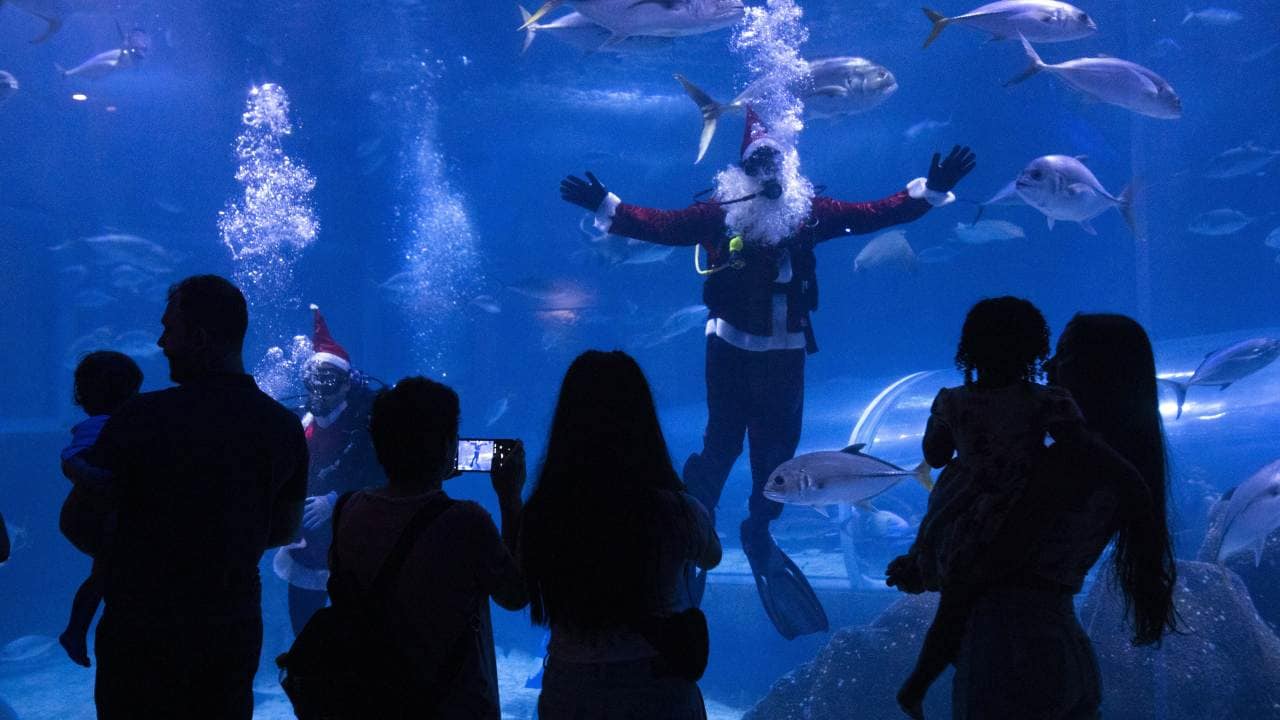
{"x":836,"y":218}
{"x":687,"y":227}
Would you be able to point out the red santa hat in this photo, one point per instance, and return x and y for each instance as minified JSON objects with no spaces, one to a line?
{"x":326,"y":349}
{"x":756,"y":135}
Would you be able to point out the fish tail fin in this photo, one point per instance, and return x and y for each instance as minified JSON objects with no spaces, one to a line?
{"x":547,"y":7}
{"x":1128,"y":198}
{"x":1179,"y":390}
{"x":1036,"y":63}
{"x":61,"y":70}
{"x":923,"y":475}
{"x":55,"y":24}
{"x":711,"y":111}
{"x":530,"y":28}
{"x":1189,"y":16}
{"x":939,"y":21}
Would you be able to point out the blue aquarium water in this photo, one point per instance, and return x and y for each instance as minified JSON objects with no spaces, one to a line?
{"x":396,"y":163}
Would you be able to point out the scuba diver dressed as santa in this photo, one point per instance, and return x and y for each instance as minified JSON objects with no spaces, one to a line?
{"x":336,"y":423}
{"x":759,"y":234}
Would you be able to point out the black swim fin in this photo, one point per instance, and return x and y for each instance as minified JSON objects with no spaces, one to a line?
{"x":788,"y":599}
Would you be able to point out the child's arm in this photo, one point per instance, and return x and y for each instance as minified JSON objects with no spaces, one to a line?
{"x":1062,"y":417}
{"x":78,"y":470}
{"x":939,"y":443}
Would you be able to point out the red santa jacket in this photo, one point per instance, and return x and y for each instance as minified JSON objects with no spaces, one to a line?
{"x":744,"y":298}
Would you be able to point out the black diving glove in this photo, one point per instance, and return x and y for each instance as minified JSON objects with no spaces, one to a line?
{"x":945,"y":175}
{"x":584,"y":194}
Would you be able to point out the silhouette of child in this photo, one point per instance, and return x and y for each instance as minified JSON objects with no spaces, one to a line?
{"x":104,"y":381}
{"x":994,"y":426}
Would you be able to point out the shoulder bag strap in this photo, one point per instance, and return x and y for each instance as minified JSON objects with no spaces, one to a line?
{"x":390,"y":569}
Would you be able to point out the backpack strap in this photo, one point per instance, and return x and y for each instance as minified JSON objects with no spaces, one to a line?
{"x":333,"y":544}
{"x":390,"y":569}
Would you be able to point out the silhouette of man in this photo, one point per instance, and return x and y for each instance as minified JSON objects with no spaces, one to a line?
{"x":210,"y":474}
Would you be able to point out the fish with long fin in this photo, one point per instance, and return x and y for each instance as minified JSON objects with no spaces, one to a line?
{"x":1253,"y":513}
{"x":579,"y":31}
{"x":133,"y":48}
{"x":1062,"y":188}
{"x":843,"y":477}
{"x":1110,"y":80}
{"x":1038,"y":20}
{"x":836,"y":87}
{"x":1228,"y":365}
{"x":661,"y":18}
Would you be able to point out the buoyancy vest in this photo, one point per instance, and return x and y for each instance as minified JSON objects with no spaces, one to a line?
{"x":744,"y":297}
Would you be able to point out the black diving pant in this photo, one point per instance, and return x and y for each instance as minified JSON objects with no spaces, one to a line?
{"x":756,"y":395}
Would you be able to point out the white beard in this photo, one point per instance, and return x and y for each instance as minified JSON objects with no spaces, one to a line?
{"x":761,"y":221}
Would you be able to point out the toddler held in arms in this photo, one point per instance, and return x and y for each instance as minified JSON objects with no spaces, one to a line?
{"x":987,"y":435}
{"x":104,"y":381}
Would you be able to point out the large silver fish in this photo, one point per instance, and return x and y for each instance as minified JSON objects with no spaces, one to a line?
{"x":887,"y":251}
{"x":1220,"y":222}
{"x":1111,"y":80}
{"x":661,"y":18}
{"x":1244,"y":160}
{"x":1218,"y":17}
{"x":844,"y":477}
{"x":1253,"y":513}
{"x":1228,"y":365}
{"x":838,"y":86}
{"x":986,"y":231}
{"x":579,"y":31}
{"x":1062,"y":188}
{"x":133,"y":49}
{"x":121,"y":249}
{"x":1036,"y":20}
{"x":617,"y":250}
{"x":678,"y":323}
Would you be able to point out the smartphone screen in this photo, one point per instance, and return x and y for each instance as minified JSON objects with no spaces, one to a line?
{"x":476,"y":455}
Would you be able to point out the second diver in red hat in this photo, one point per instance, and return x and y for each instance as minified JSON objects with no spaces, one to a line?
{"x":336,"y":423}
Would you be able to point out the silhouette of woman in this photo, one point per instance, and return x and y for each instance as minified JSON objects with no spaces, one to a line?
{"x":1024,"y":653}
{"x":609,"y":540}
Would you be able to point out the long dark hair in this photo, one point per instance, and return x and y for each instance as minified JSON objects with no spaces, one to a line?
{"x":1111,"y":358}
{"x":604,"y":507}
{"x":1004,"y":336}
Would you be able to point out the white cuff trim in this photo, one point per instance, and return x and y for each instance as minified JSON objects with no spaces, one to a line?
{"x":604,"y":213}
{"x":918,"y":189}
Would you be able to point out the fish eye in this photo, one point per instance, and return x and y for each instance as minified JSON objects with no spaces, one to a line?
{"x":778,"y":480}
{"x":1036,"y":174}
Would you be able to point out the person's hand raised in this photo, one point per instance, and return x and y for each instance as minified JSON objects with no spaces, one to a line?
{"x":947,"y":173}
{"x":584,"y":194}
{"x":508,"y":472}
